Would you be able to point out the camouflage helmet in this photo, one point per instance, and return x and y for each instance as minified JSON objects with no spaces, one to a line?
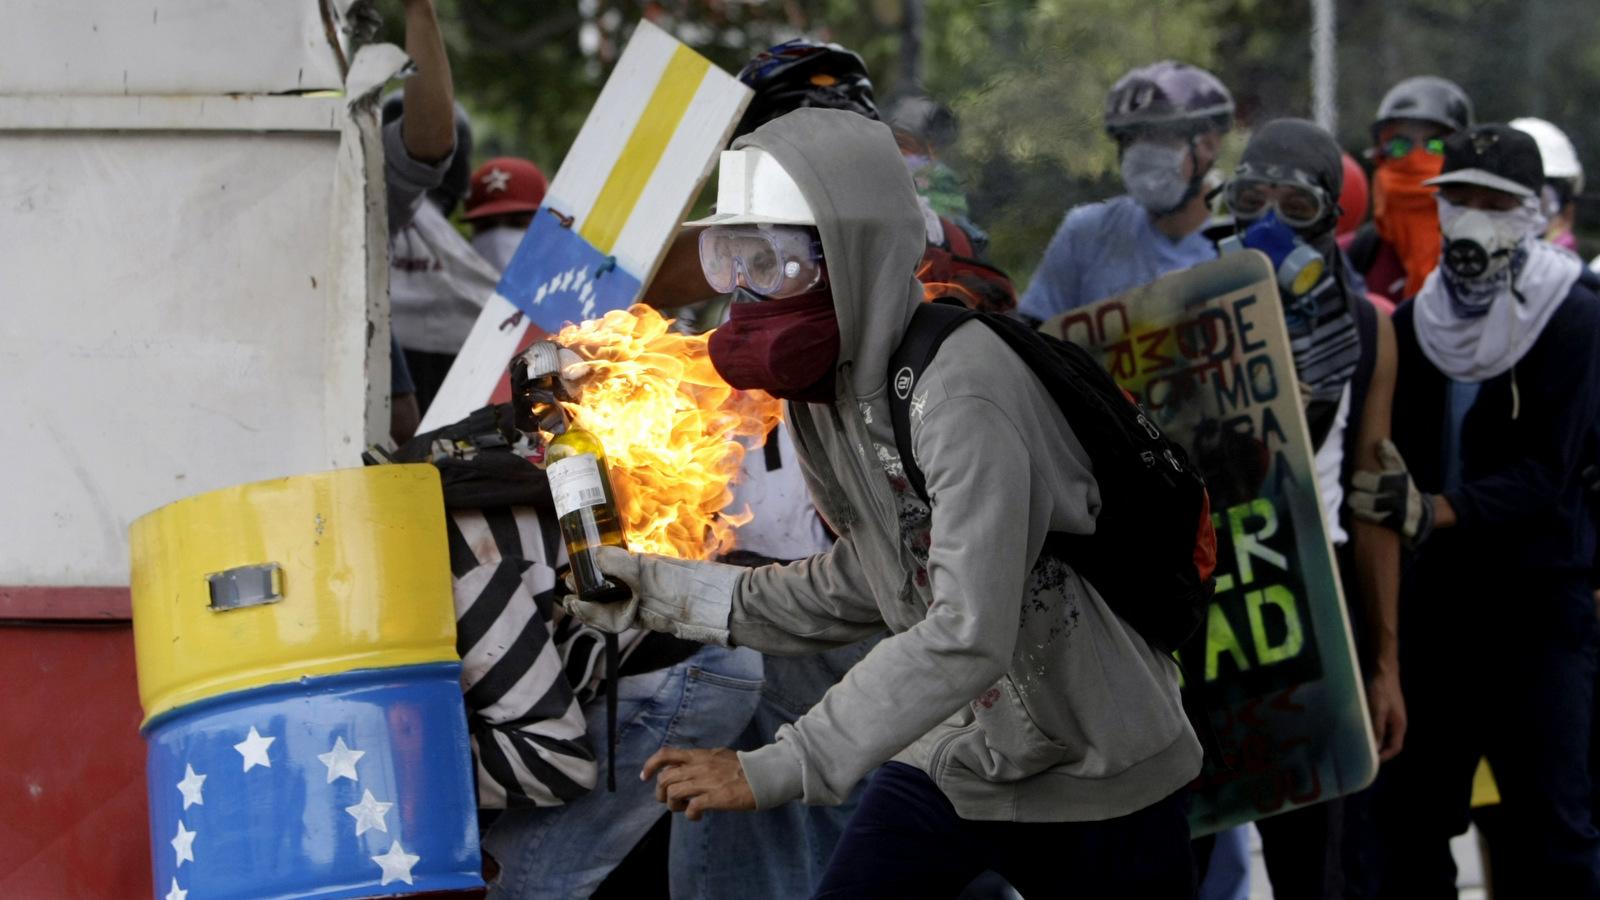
{"x":1168,"y":96}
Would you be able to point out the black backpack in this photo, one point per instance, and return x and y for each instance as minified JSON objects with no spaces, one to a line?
{"x":1153,"y":550}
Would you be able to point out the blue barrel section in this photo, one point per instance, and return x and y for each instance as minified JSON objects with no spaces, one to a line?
{"x":333,"y":786}
{"x":303,"y":713}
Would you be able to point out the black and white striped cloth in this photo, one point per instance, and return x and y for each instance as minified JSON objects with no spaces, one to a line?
{"x":1326,"y":348}
{"x":526,"y":667}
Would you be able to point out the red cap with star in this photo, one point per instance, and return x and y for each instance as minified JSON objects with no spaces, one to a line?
{"x":505,"y":184}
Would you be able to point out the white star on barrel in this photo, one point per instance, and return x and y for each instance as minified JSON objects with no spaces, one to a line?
{"x":177,"y":893}
{"x":183,"y":844}
{"x":369,"y":814}
{"x":341,"y":761}
{"x":396,"y":864}
{"x":190,"y":787}
{"x":254,"y":749}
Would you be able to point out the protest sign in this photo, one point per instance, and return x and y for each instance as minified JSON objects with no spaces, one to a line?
{"x":1206,"y":352}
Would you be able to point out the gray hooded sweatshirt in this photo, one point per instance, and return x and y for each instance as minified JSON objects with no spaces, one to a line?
{"x":1007,"y":678}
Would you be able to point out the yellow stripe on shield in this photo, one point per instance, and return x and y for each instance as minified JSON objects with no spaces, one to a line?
{"x":655,"y":128}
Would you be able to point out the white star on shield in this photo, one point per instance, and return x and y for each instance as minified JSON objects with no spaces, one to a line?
{"x":341,"y":761}
{"x":396,"y":864}
{"x":496,"y":179}
{"x":190,"y":787}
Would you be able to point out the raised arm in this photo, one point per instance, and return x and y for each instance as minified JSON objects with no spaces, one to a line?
{"x":429,"y":124}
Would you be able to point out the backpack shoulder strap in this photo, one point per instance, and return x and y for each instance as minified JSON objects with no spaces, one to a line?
{"x":930,"y":325}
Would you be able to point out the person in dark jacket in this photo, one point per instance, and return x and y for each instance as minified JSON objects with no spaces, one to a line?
{"x":1496,"y":407}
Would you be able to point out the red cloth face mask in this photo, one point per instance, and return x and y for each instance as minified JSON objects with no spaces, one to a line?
{"x":787,"y":347}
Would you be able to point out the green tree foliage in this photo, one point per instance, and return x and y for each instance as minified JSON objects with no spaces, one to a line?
{"x":1028,"y":83}
{"x":1027,"y":80}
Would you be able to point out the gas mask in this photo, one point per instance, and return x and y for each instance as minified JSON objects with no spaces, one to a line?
{"x":1480,"y":244}
{"x":1153,"y":175}
{"x":1298,"y":265}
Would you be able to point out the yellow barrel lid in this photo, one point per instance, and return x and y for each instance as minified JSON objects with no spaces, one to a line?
{"x":265,"y":583}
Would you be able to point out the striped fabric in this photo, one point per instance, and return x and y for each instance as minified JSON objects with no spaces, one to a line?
{"x":1325,"y":343}
{"x":526,"y":667}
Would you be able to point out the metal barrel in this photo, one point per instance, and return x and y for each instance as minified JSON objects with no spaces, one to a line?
{"x":297,"y":666}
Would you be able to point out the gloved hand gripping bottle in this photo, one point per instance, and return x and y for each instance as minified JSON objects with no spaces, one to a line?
{"x":580,"y":483}
{"x":575,"y":462}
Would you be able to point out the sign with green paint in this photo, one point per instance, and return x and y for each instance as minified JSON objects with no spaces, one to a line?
{"x":1206,"y":352}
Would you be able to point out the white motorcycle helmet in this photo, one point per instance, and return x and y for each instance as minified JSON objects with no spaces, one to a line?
{"x":1560,"y":157}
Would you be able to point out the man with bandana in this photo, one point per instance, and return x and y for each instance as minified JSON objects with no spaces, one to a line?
{"x":1011,"y":721}
{"x":1400,"y":246}
{"x":1498,"y":398}
{"x":1284,"y":202}
{"x":505,"y":195}
{"x":1167,"y":120}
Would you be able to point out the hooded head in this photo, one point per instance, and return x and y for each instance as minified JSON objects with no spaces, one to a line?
{"x":1287,"y":189}
{"x":1298,"y":152}
{"x":852,"y":176}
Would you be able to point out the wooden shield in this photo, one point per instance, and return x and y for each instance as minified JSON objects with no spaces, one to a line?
{"x":1206,"y":352}
{"x":627,"y":181}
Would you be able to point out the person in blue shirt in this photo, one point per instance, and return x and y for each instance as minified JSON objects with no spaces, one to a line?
{"x":1168,"y":120}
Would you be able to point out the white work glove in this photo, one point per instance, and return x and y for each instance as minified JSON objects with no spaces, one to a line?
{"x":690,"y":599}
{"x":1389,"y":498}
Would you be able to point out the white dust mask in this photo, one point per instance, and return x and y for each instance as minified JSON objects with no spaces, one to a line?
{"x":498,"y":244}
{"x":1153,"y":174}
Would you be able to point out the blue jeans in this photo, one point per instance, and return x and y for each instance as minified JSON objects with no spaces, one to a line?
{"x":906,"y":841}
{"x":1228,"y":874}
{"x":560,"y":852}
{"x":778,"y":853}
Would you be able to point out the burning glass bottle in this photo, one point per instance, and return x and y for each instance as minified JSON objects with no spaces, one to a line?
{"x":575,"y":462}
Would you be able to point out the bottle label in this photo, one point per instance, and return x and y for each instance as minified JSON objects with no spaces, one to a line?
{"x":575,"y":483}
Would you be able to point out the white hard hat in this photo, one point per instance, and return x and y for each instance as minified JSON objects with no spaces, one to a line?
{"x":1560,"y":159}
{"x":753,"y":189}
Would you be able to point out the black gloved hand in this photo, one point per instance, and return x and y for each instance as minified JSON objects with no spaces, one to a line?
{"x":1390,"y":498}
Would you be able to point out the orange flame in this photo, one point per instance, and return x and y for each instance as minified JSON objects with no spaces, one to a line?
{"x":671,"y":428}
{"x":933,"y":290}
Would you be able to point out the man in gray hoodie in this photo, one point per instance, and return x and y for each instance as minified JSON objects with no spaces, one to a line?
{"x":1020,"y":725}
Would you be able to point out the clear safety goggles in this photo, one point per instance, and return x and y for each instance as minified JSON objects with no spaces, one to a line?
{"x":774,"y":261}
{"x":1300,"y":201}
